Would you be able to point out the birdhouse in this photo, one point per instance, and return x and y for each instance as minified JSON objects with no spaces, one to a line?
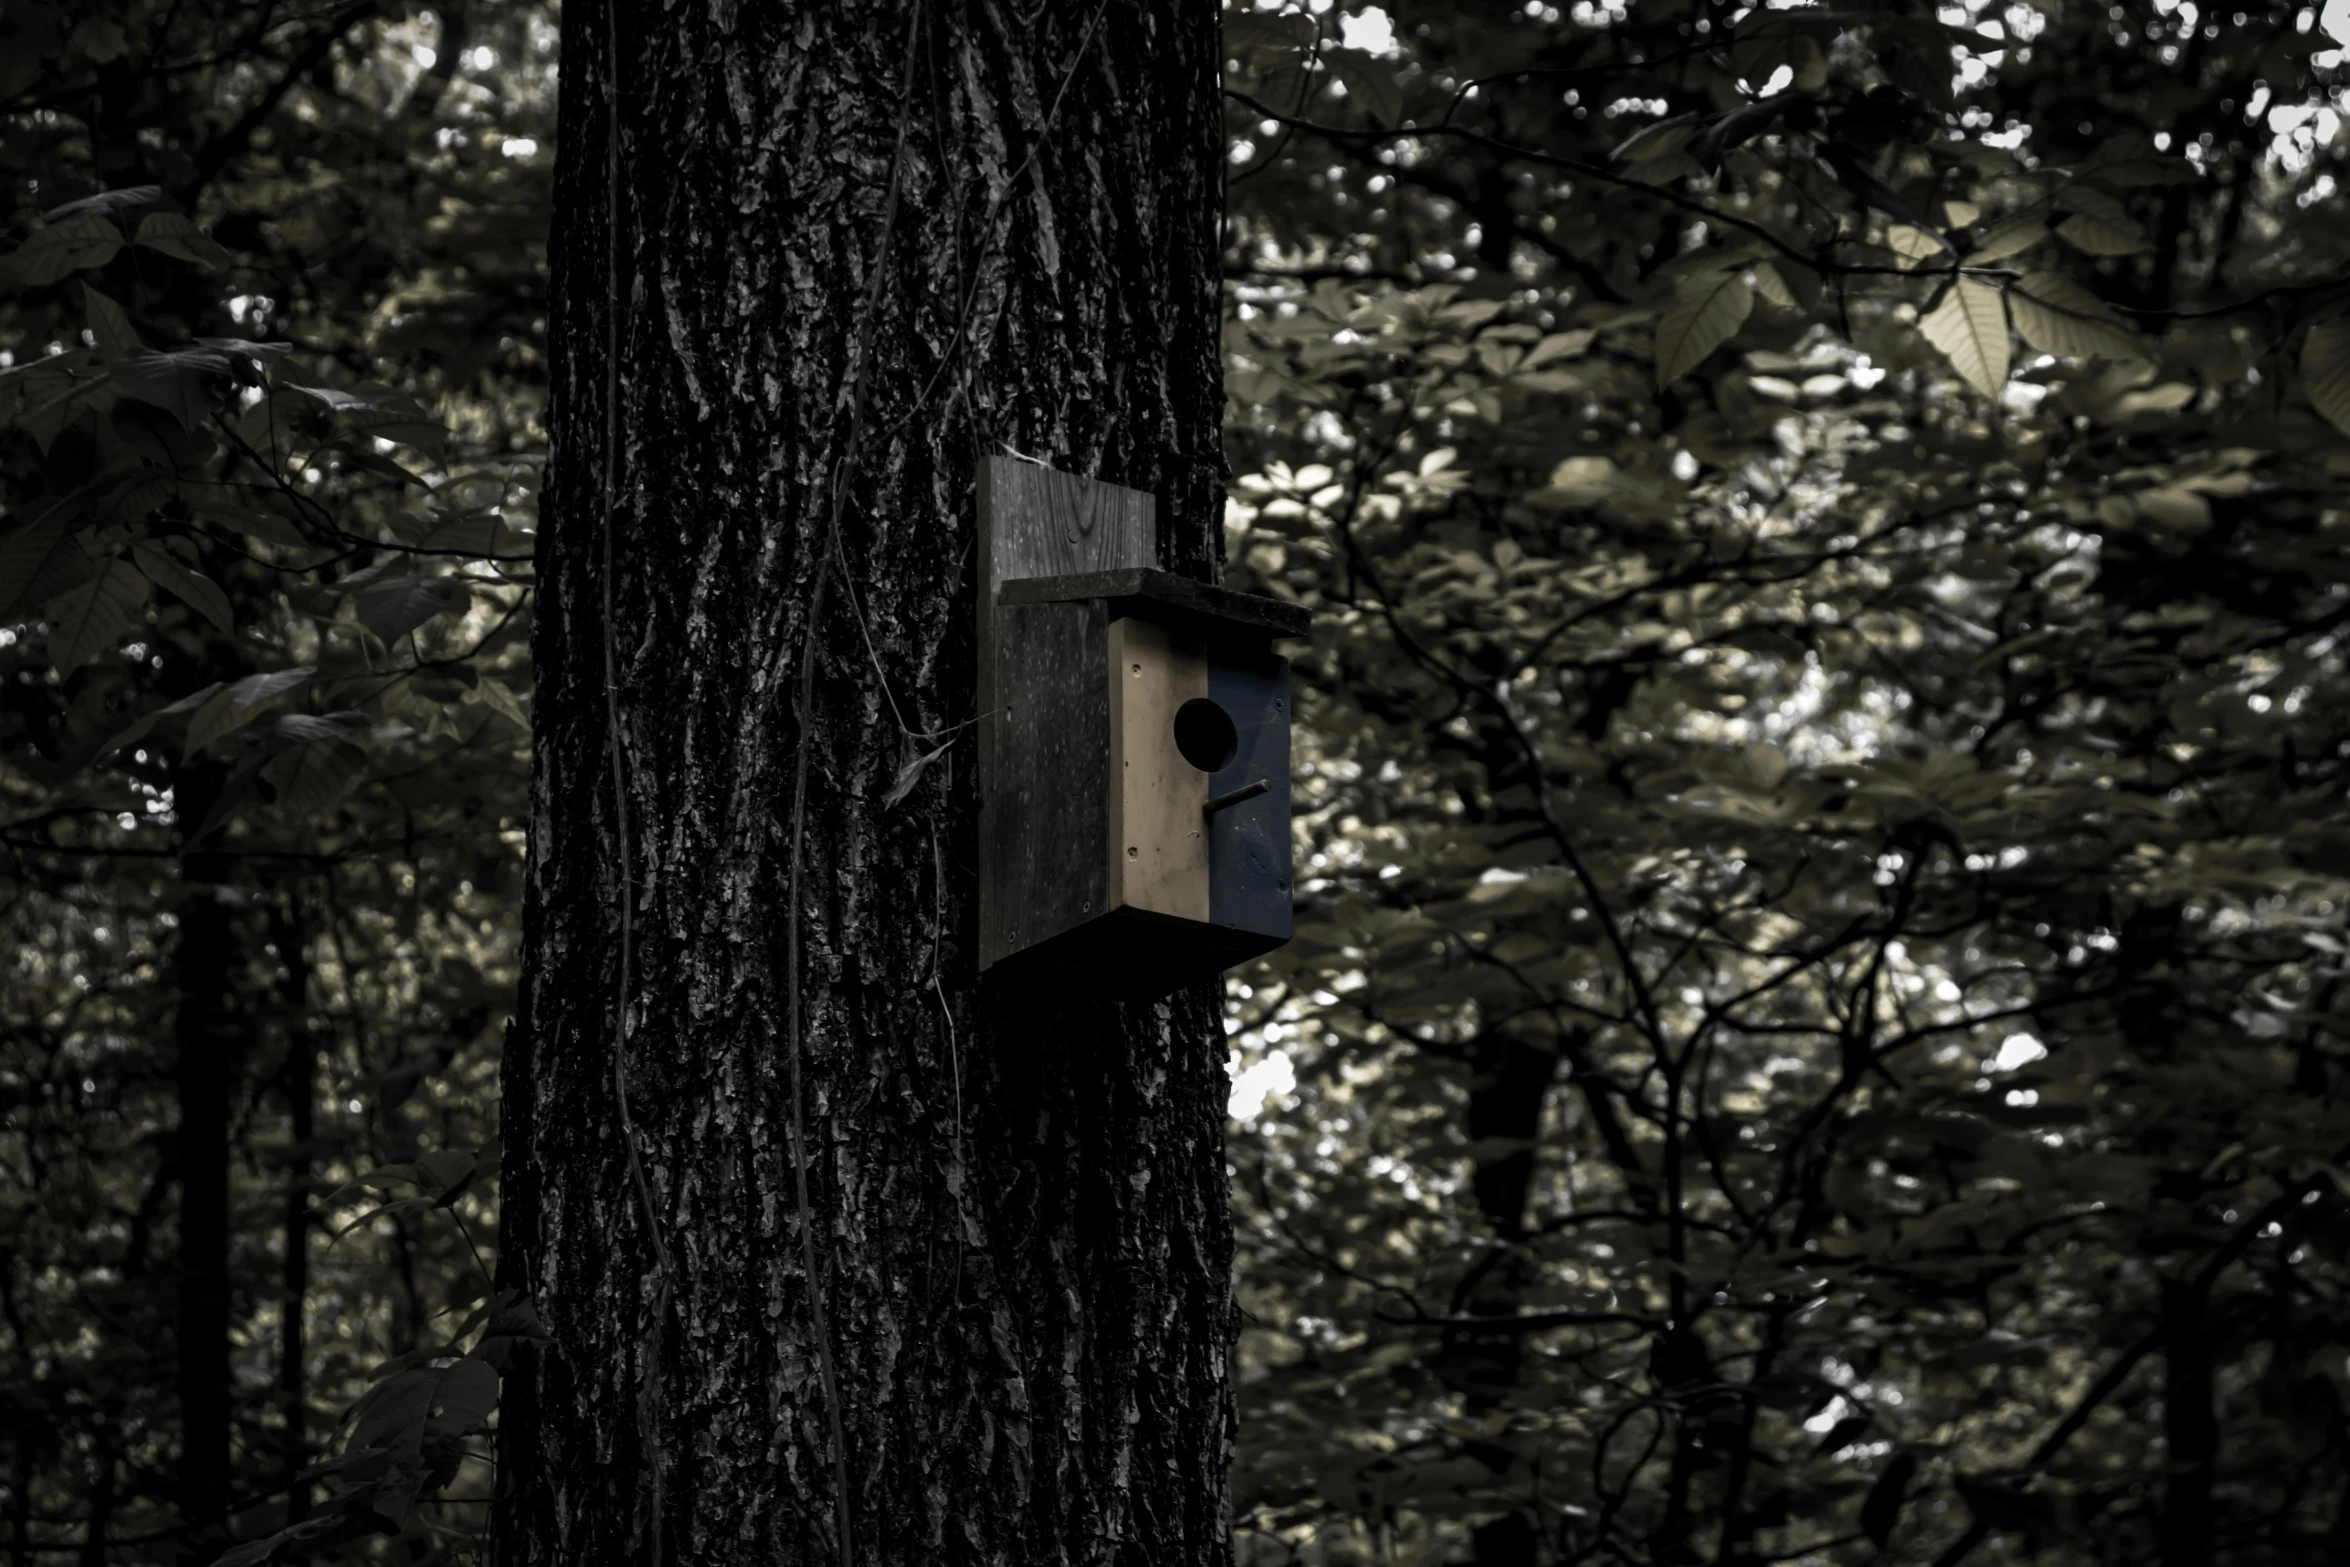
{"x":1134,"y":746}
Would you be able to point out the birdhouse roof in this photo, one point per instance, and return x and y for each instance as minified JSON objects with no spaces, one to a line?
{"x":1164,"y":595}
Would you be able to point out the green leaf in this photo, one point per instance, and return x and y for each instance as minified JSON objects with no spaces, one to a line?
{"x":1875,"y":193}
{"x":1256,"y":38}
{"x":1665,"y":142}
{"x":106,"y":203}
{"x":447,"y":1172}
{"x":2102,"y":236}
{"x":2011,"y":238}
{"x":384,"y":416}
{"x":1770,"y":39}
{"x":513,"y":1321}
{"x":308,"y":779}
{"x":1557,"y":345}
{"x":465,"y":1398}
{"x":1369,"y":82}
{"x":338,"y":400}
{"x":33,"y":552}
{"x":362,"y":457}
{"x":1708,"y":309}
{"x":303,"y":727}
{"x":134,"y":495}
{"x":1912,"y":244}
{"x":395,"y":606}
{"x":394,"y":1411}
{"x":2325,"y":372}
{"x":2058,"y":316}
{"x":61,"y":250}
{"x":85,"y":621}
{"x":187,"y":382}
{"x":190,"y":586}
{"x":424,"y":1404}
{"x":1970,"y":327}
{"x":1771,"y":283}
{"x":175,"y":234}
{"x":254,"y":519}
{"x":109,"y":325}
{"x":34,"y":381}
{"x":476,"y":533}
{"x":83,"y":393}
{"x":499,"y":698}
{"x":138,"y":729}
{"x":229,"y":709}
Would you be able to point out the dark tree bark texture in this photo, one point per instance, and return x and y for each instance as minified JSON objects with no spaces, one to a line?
{"x":847,"y":1256}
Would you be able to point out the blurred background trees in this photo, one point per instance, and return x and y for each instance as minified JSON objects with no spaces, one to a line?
{"x":274,"y":300}
{"x":1815,"y":1033}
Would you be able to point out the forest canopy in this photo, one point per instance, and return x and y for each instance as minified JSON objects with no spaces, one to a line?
{"x":1815,"y":1032}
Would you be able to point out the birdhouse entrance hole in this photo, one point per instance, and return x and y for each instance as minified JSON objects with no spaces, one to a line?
{"x":1206,"y":735}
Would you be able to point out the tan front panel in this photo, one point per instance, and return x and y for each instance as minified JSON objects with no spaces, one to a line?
{"x":1158,"y":832}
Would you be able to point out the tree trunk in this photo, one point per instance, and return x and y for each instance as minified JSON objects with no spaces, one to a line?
{"x":201,"y":1038}
{"x":1509,"y":1084}
{"x":2190,"y":1426}
{"x":101,"y":1504}
{"x":20,"y":1509}
{"x":846,"y":1255}
{"x":300,"y":1084}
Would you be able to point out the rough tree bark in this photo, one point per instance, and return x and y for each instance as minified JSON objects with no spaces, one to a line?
{"x":845,"y":1255}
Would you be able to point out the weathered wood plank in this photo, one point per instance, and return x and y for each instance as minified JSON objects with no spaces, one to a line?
{"x":1158,"y":837}
{"x":1036,"y":766}
{"x":1038,"y":522}
{"x":1048,"y":791}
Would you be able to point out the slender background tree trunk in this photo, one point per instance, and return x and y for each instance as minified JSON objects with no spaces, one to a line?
{"x":845,"y":1255}
{"x":2190,"y":1426}
{"x":1510,"y":1082}
{"x":299,"y":1081}
{"x":201,"y":1038}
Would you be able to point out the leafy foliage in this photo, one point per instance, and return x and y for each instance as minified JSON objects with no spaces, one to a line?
{"x":1815,"y":1027}
{"x":267,"y":453}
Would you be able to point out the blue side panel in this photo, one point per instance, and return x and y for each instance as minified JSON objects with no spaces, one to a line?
{"x":1248,"y":843}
